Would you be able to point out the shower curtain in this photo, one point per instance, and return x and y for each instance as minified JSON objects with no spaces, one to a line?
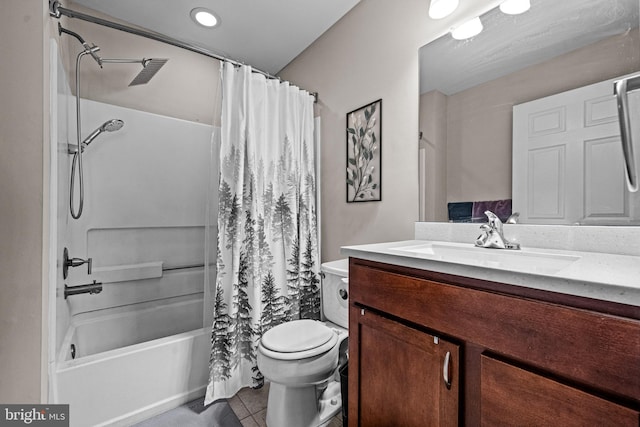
{"x":267,"y":257}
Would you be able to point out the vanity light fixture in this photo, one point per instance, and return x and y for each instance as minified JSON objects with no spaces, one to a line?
{"x":204,"y":17}
{"x":515,"y":7}
{"x":441,"y":8}
{"x":467,"y":30}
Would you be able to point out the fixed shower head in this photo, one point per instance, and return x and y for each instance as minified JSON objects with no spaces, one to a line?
{"x":108,"y":126}
{"x":149,"y":69}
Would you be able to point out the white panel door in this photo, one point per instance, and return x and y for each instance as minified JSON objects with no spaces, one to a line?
{"x":604,"y":184}
{"x":545,"y":184}
{"x":567,"y":159}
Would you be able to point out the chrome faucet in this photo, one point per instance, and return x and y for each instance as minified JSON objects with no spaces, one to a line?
{"x":492,"y":236}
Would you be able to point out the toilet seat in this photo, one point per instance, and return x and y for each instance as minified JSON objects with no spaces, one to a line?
{"x":298,"y":339}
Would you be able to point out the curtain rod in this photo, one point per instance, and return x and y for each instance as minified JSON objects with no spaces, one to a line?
{"x":56,"y":10}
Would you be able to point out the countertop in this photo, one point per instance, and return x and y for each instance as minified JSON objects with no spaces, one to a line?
{"x":602,"y":276}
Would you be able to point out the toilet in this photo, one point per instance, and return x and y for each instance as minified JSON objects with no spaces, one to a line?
{"x":300,"y":358}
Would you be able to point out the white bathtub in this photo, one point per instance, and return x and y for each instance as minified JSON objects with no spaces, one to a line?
{"x":123,"y":373}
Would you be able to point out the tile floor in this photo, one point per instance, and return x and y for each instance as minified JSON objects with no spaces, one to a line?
{"x":250,"y":406}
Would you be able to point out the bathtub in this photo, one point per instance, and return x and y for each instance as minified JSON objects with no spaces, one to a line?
{"x":123,"y":372}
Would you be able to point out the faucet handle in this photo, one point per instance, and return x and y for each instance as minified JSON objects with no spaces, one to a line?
{"x":494,"y":221}
{"x":513,"y":218}
{"x":73,"y":262}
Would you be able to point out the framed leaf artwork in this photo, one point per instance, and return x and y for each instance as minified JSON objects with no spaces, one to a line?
{"x":364,"y":143}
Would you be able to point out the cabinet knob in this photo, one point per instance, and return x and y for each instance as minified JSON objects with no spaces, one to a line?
{"x":446,"y":375}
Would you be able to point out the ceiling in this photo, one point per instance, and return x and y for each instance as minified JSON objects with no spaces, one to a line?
{"x":509,"y":43}
{"x":266,"y":34}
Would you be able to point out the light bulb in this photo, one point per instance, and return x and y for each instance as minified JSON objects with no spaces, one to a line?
{"x":515,"y":7}
{"x":467,"y":30}
{"x":440,"y":8}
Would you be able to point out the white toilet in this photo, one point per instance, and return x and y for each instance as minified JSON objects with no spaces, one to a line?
{"x":300,"y":358}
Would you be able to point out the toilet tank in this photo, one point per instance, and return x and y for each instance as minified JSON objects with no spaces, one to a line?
{"x":335,"y":291}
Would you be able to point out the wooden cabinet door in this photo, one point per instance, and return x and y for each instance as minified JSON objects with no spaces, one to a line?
{"x":399,"y":375}
{"x":512,"y":396}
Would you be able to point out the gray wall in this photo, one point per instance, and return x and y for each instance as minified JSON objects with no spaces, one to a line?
{"x":185,"y":88}
{"x":372,"y":53}
{"x":24,"y":159}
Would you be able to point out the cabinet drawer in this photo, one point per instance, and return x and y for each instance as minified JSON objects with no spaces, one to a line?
{"x":588,"y":347}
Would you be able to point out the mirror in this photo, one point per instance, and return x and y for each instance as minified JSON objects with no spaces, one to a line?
{"x":468,"y":89}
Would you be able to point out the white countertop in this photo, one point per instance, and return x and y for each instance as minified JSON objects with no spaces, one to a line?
{"x":603,"y":276}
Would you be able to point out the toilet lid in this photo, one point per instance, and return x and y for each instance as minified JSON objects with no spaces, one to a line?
{"x":296,"y":336}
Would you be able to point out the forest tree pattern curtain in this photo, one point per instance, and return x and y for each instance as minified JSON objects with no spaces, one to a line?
{"x":267,"y":243}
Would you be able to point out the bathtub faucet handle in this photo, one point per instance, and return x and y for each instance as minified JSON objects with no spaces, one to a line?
{"x":77,"y":262}
{"x":74,"y":262}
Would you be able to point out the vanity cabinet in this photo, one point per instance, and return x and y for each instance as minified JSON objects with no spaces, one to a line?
{"x":516,"y":356}
{"x":406,"y":377}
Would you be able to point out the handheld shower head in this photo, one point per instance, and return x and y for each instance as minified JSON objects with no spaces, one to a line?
{"x":112,"y":125}
{"x":108,"y":126}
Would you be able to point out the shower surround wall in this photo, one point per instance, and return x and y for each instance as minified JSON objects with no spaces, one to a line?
{"x":143,"y":221}
{"x":143,"y":225}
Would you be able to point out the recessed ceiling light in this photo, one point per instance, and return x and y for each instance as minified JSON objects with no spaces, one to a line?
{"x":204,"y":17}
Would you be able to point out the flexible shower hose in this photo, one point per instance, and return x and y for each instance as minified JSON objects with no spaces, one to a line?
{"x":77,"y":156}
{"x":75,"y":162}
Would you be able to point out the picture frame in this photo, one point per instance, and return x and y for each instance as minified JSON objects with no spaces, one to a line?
{"x":364,"y":153}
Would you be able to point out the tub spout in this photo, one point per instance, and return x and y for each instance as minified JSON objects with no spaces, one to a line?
{"x":89,"y":288}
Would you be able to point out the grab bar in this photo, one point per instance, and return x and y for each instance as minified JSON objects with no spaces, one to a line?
{"x":134,"y":272}
{"x":184,"y":267}
{"x":620,"y":90}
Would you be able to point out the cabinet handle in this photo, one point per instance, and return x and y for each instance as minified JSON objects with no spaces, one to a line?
{"x":445,"y":370}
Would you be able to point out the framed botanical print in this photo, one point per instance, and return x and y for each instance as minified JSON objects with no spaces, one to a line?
{"x":364,"y":144}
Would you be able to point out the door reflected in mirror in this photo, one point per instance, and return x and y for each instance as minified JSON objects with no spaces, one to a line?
{"x":468,"y":90}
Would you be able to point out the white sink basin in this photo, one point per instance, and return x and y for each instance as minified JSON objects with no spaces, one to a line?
{"x":525,"y":260}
